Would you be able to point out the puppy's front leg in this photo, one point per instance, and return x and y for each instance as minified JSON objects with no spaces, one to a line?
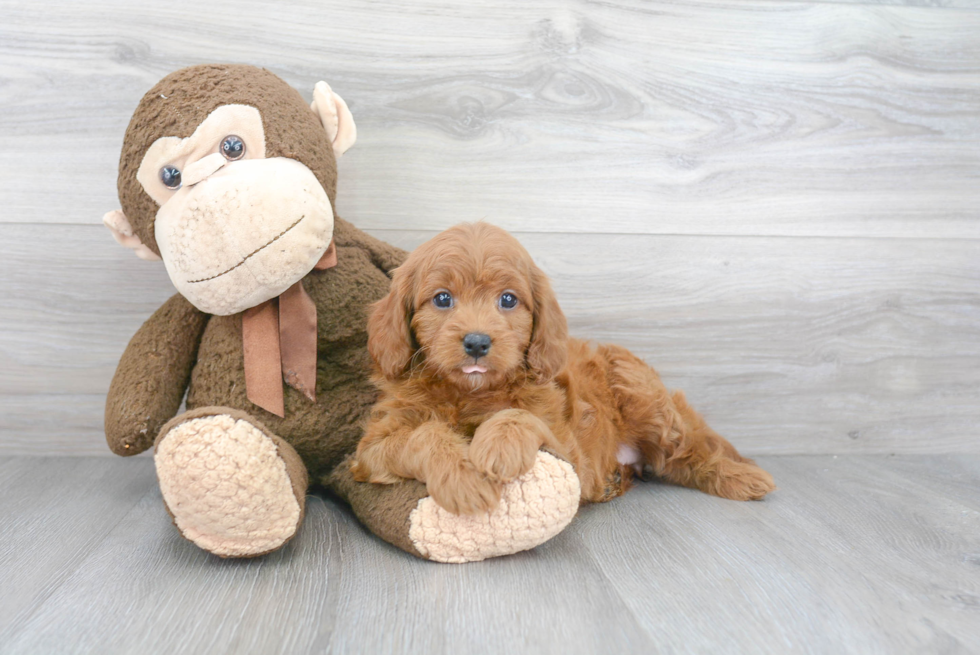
{"x":431,"y":453}
{"x":505,"y":445}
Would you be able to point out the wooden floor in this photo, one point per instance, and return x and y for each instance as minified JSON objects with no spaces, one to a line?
{"x":856,"y":554}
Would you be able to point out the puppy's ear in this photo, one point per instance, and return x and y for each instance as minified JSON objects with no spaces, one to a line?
{"x":390,"y":341}
{"x":548,"y":351}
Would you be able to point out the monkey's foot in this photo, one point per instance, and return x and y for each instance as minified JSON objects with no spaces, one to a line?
{"x":232,"y":488}
{"x":533,"y":508}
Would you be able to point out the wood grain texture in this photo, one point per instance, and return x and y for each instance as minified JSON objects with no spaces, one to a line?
{"x":53,"y":424}
{"x":53,"y":513}
{"x":724,"y":117}
{"x":841,"y":550}
{"x":789,"y":345}
{"x":868,"y":554}
{"x":958,"y":4}
{"x":935,"y":4}
{"x":802,"y":180}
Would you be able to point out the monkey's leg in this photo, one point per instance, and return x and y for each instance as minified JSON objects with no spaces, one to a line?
{"x":533,"y":509}
{"x":233,"y":487}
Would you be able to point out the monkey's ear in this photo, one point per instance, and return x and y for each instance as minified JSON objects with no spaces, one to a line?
{"x":122,"y":231}
{"x":335,"y":117}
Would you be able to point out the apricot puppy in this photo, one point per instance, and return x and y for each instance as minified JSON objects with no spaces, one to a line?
{"x":477,"y":372}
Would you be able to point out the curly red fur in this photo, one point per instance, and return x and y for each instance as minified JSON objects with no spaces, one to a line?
{"x":466,"y":433}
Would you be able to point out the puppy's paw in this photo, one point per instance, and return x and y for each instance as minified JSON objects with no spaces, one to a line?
{"x":741,"y":481}
{"x":459,"y":488}
{"x":364,"y":473}
{"x":505,"y":446}
{"x":360,"y":471}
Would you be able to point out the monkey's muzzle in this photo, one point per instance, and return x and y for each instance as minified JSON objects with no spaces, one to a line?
{"x":244,"y":234}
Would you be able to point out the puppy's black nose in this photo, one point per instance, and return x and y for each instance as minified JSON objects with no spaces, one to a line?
{"x":476,"y":345}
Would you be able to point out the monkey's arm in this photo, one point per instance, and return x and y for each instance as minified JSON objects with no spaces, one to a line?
{"x":384,"y":255}
{"x":152,"y":376}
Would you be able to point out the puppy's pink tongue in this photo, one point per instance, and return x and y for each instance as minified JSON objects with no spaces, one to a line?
{"x":473,"y":368}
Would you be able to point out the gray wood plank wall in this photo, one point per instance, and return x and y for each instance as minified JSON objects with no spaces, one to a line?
{"x":777,"y":204}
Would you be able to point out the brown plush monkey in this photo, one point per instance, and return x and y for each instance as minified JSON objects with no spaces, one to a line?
{"x":229,"y":177}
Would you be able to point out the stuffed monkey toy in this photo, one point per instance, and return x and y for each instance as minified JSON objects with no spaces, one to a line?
{"x":229,"y":177}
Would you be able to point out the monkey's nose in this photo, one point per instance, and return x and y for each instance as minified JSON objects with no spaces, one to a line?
{"x":202,"y":168}
{"x":476,"y":344}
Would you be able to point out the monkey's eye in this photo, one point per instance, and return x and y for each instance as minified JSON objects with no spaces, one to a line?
{"x":232,"y":147}
{"x":443,"y":300}
{"x":170,"y":177}
{"x":507,"y":300}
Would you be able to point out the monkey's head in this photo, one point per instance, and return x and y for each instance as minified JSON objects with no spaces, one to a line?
{"x":230,"y":177}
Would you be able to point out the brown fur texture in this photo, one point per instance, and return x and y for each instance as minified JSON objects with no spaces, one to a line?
{"x":464,"y":434}
{"x":152,"y":376}
{"x":182,"y":349}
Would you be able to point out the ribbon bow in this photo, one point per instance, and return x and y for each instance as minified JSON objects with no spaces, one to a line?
{"x":279,"y":338}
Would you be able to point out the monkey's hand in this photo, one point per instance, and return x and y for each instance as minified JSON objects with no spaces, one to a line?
{"x":152,"y":376}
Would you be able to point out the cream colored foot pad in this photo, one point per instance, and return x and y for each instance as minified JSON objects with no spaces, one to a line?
{"x":533,"y":509}
{"x":226,"y":486}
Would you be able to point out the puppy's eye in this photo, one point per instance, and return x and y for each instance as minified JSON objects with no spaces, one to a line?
{"x":507,"y":301}
{"x":170,"y":177}
{"x":443,"y":300}
{"x":232,"y":147}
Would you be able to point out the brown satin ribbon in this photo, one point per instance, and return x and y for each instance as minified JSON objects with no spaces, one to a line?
{"x":279,"y":339}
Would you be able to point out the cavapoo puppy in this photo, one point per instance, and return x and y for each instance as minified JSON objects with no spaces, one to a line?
{"x":477,"y":372}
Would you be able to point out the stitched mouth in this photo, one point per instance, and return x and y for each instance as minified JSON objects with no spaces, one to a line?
{"x":251,"y":254}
